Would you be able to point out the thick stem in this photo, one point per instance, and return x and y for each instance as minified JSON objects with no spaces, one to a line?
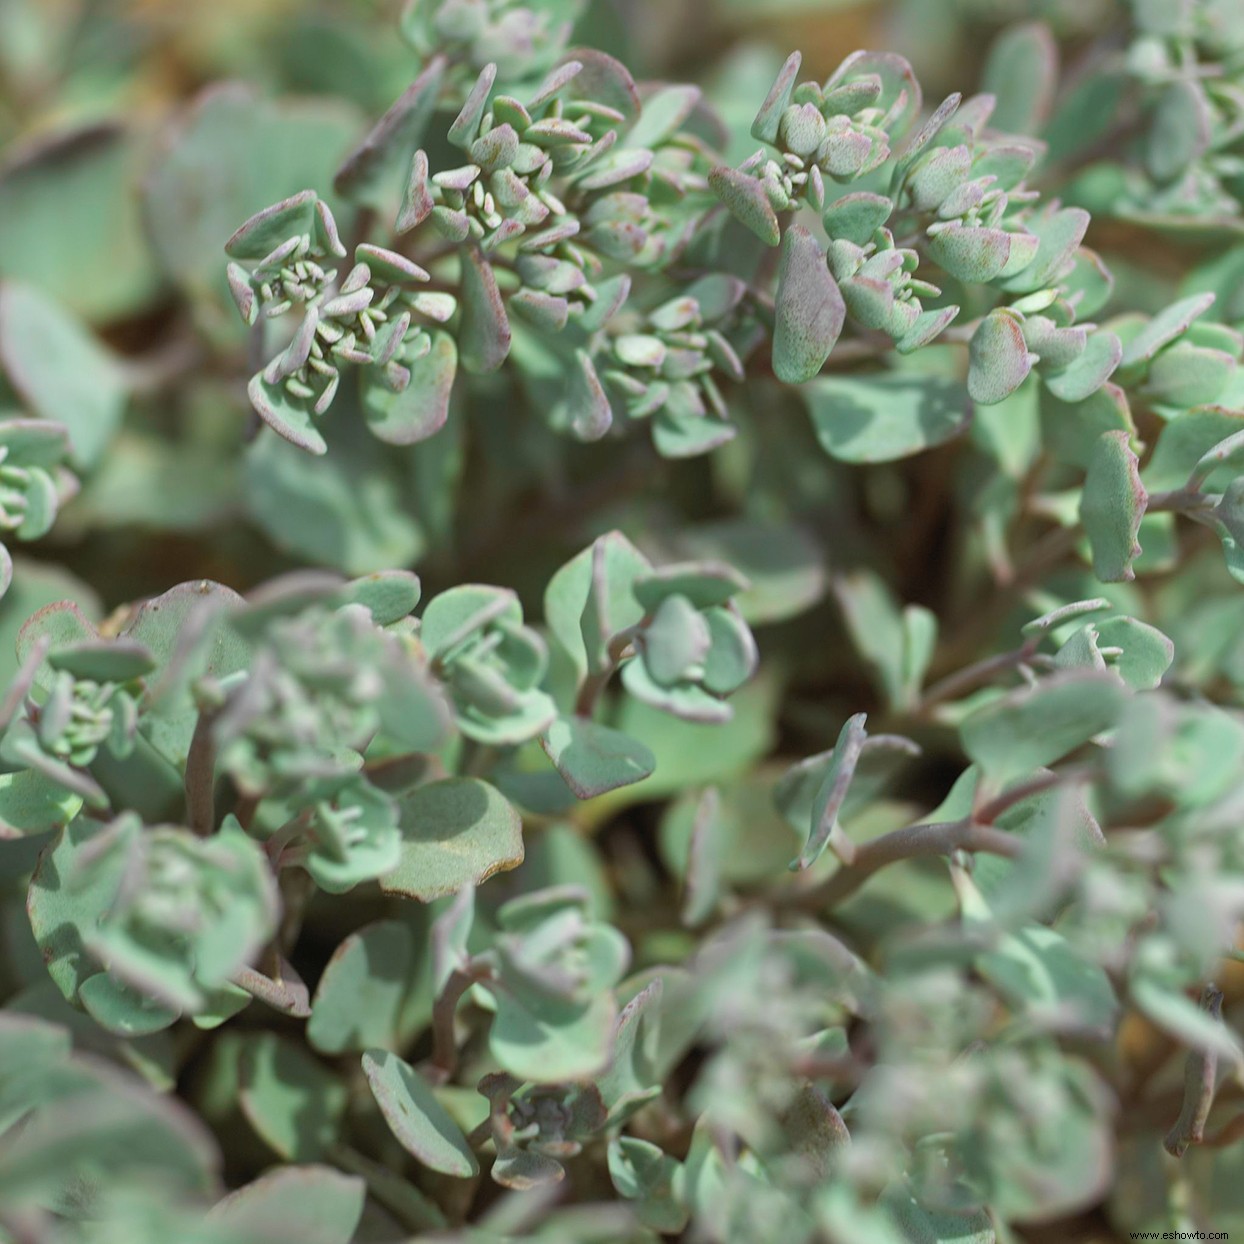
{"x":444,"y":1043}
{"x":977,"y":675}
{"x":989,"y":812}
{"x":593,"y":688}
{"x":201,"y":775}
{"x":940,"y":838}
{"x":1181,"y":500}
{"x":1200,"y":1075}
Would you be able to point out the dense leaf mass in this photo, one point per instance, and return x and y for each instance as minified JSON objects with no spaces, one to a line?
{"x":433,"y":808}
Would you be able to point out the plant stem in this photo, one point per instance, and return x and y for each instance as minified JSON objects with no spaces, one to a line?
{"x":939,"y":838}
{"x":444,"y":1043}
{"x":1181,"y":500}
{"x":977,"y":675}
{"x":593,"y":688}
{"x":989,"y":812}
{"x":1200,"y":1075}
{"x":201,"y":775}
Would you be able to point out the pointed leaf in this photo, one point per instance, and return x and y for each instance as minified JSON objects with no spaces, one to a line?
{"x":484,"y":335}
{"x":808,"y":309}
{"x":1112,"y":506}
{"x":747,"y":201}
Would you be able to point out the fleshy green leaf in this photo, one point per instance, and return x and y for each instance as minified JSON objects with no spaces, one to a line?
{"x":484,"y":334}
{"x":747,"y":201}
{"x":594,"y":759}
{"x":60,"y":370}
{"x":886,"y":417}
{"x":808,"y":309}
{"x":998,"y":357}
{"x":359,"y":999}
{"x":420,"y":409}
{"x":1035,"y":726}
{"x":290,"y":1098}
{"x":1112,"y":506}
{"x":455,"y":833}
{"x":420,"y":1123}
{"x":318,"y":1204}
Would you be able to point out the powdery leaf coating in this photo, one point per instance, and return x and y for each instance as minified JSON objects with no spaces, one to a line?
{"x":765,"y":126}
{"x":974,"y":254}
{"x":318,"y":1204}
{"x":808,"y":310}
{"x":60,"y":370}
{"x":359,"y":999}
{"x":290,"y":1098}
{"x":857,"y":216}
{"x":748,"y":203}
{"x":418,"y":1121}
{"x":998,"y":357}
{"x":484,"y":334}
{"x":455,"y":833}
{"x":1035,"y":726}
{"x":594,"y":759}
{"x":1111,"y":507}
{"x":421,"y":408}
{"x":288,"y":416}
{"x":885,"y":417}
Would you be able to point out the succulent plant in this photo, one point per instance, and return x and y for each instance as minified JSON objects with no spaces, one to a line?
{"x":816,"y":811}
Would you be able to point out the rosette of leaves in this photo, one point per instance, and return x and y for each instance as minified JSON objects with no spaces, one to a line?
{"x":322,"y":684}
{"x":492,"y":665}
{"x":674,"y":632}
{"x":957,"y":191}
{"x":692,"y":650}
{"x":1187,"y":63}
{"x":34,"y":482}
{"x":374,"y":319}
{"x":74,"y":703}
{"x":142,"y":923}
{"x":839,"y":131}
{"x":535,"y":1126}
{"x":549,"y":978}
{"x":343,"y":830}
{"x":580,"y":178}
{"x":662,"y":368}
{"x":523,"y":40}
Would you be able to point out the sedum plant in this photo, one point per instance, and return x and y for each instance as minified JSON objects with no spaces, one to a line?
{"x":433,"y":808}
